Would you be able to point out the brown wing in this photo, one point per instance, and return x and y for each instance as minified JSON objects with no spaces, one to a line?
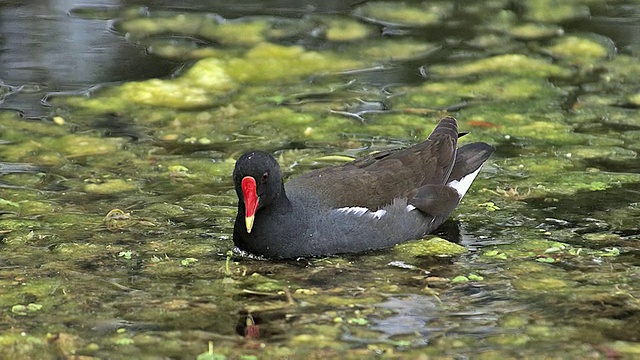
{"x":376,"y":180}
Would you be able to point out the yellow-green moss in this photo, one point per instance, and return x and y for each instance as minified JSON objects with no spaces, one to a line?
{"x":554,"y":11}
{"x":111,"y":186}
{"x":345,"y":29}
{"x":238,"y":32}
{"x":532,"y":31}
{"x":434,"y":246}
{"x":245,"y":32}
{"x":635,"y":99}
{"x":403,"y":13}
{"x":390,"y":49}
{"x":513,"y":64}
{"x":577,"y":50}
{"x":505,"y":88}
{"x":270,"y":62}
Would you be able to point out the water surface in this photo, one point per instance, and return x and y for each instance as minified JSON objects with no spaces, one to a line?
{"x":116,"y":203}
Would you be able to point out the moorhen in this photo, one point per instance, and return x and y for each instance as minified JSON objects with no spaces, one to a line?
{"x":371,"y":203}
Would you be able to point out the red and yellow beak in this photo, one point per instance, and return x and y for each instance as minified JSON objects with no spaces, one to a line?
{"x":251,"y":200}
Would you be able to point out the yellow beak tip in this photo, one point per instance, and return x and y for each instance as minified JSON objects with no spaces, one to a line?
{"x":249,"y":223}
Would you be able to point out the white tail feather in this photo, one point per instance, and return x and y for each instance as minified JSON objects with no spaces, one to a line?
{"x":463,"y":185}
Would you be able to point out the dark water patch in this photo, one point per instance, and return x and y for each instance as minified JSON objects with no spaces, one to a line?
{"x":619,"y":21}
{"x":609,"y":315}
{"x":410,"y":314}
{"x":233,"y":9}
{"x":15,"y":168}
{"x":47,"y":51}
{"x":615,"y":165}
{"x":585,"y":203}
{"x":113,"y":125}
{"x":600,"y":126}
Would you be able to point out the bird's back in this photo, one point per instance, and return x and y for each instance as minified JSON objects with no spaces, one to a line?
{"x":374,"y":181}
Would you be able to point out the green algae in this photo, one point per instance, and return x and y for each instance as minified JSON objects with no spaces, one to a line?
{"x":402,"y":13}
{"x":610,"y":152}
{"x":12,"y":128}
{"x":18,"y":346}
{"x":499,"y":88}
{"x":345,"y":29}
{"x":203,"y":85}
{"x":8,"y":204}
{"x":622,"y":68}
{"x":166,"y":264}
{"x":577,"y":50}
{"x":512,"y":64}
{"x":209,"y":82}
{"x":111,"y":186}
{"x":165,"y":210}
{"x":535,"y":31}
{"x":270,"y":62}
{"x":566,"y":182}
{"x":391,"y":50}
{"x":634,"y":99}
{"x":246,"y":32}
{"x":24,"y":310}
{"x":602,"y":238}
{"x":434,"y":246}
{"x":33,"y":208}
{"x":625,"y":347}
{"x":257,"y":282}
{"x":555,"y":11}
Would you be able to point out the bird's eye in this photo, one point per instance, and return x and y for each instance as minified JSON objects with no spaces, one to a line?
{"x":265,"y":177}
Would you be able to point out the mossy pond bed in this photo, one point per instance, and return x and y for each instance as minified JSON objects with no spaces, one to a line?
{"x":116,"y":210}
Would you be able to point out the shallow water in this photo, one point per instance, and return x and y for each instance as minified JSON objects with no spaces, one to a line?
{"x":45,"y":49}
{"x":549,"y":267}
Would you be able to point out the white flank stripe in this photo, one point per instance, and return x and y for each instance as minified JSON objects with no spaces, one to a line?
{"x":462,"y":185}
{"x":362,"y":211}
{"x":410,"y":208}
{"x":354,"y":210}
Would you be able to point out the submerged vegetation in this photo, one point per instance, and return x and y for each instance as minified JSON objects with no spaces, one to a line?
{"x":116,"y":211}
